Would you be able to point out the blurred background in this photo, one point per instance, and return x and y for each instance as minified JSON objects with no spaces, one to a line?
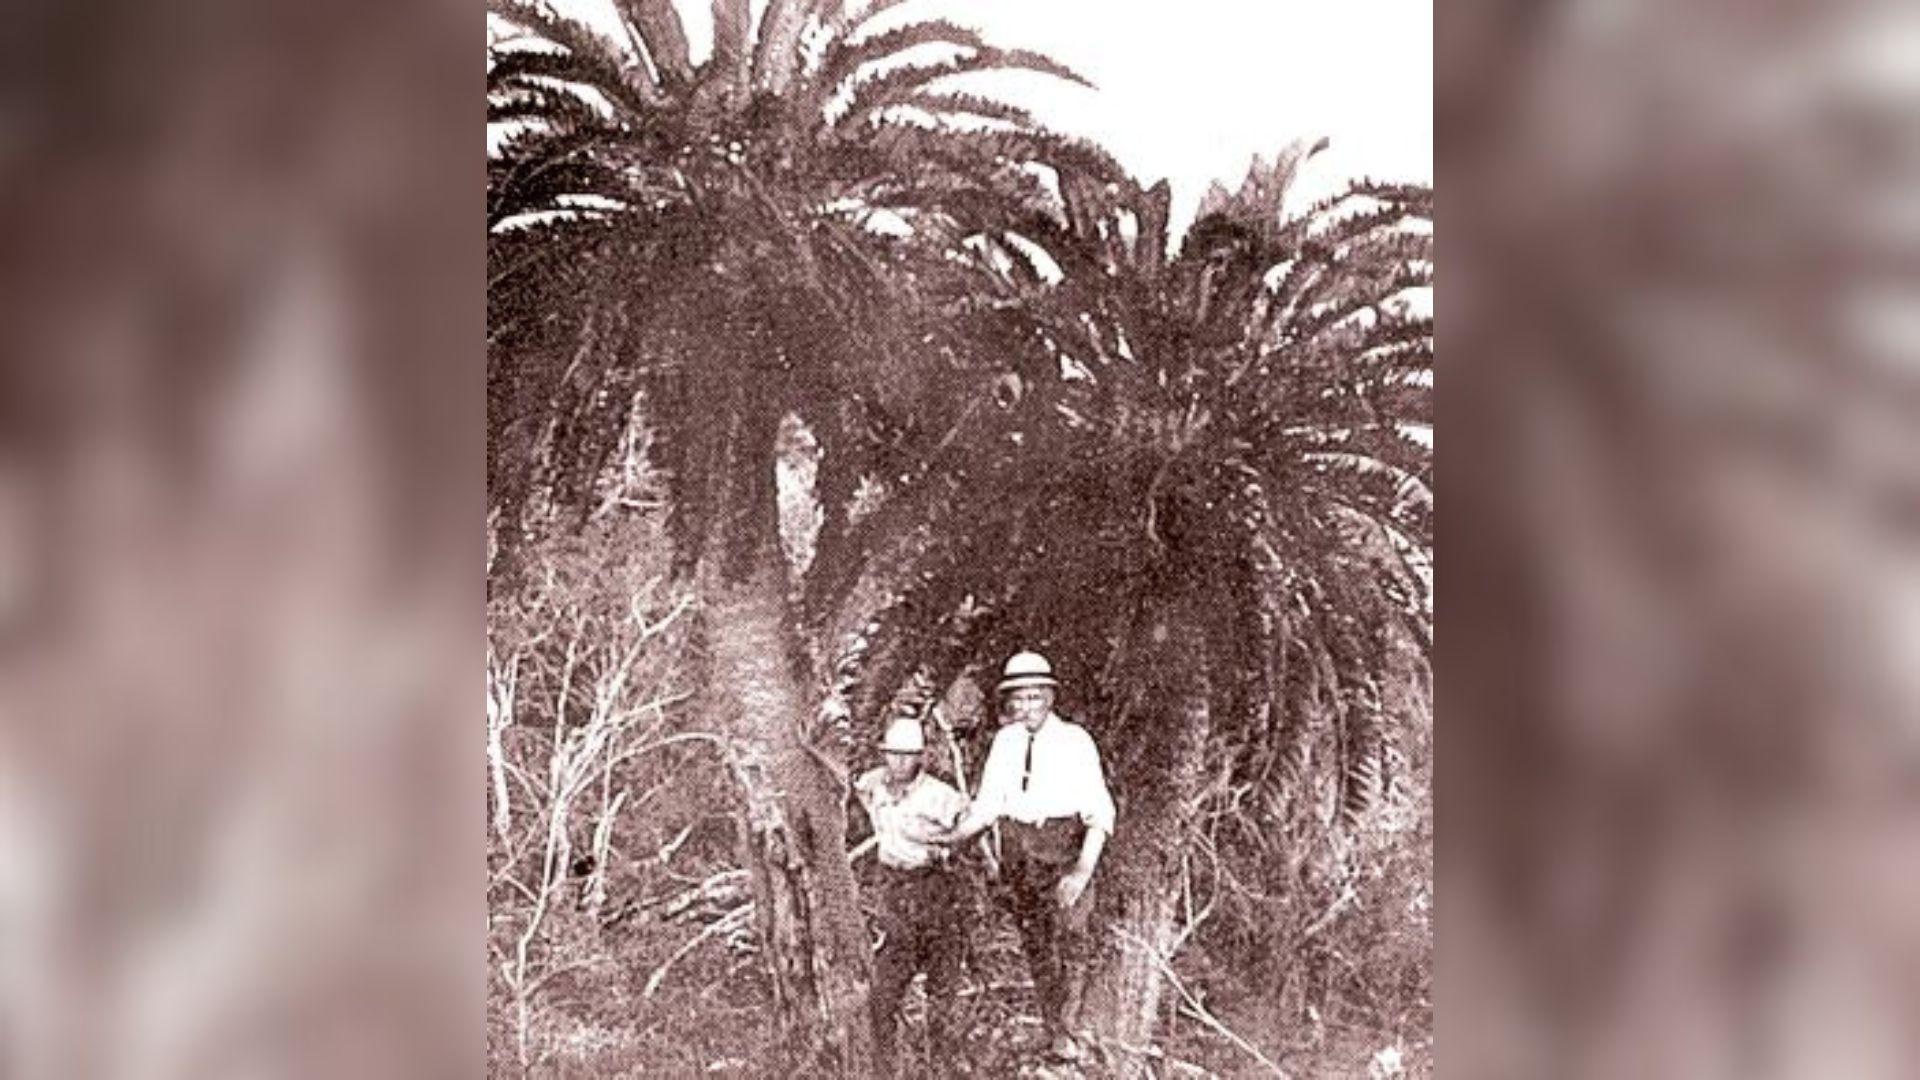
{"x":240,"y":496}
{"x":241,"y":587}
{"x":1677,"y":699}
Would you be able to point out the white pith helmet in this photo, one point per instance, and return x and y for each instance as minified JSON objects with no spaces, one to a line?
{"x":904,"y":737}
{"x":1026,"y":669}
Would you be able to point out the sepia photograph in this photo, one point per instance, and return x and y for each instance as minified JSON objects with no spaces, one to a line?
{"x":935,"y":500}
{"x":960,"y":563}
{"x":960,"y":569}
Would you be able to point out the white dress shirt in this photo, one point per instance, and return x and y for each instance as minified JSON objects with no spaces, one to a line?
{"x":902,"y":823}
{"x":1065,"y":779}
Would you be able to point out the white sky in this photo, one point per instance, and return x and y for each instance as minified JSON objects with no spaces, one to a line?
{"x":1191,"y":91}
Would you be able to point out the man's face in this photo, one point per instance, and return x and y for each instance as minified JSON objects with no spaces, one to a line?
{"x":1030,"y":705}
{"x":902,"y":766}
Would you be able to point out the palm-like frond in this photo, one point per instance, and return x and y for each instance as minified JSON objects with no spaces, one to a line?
{"x":912,"y":84}
{"x":656,"y":26}
{"x":776,"y":57}
{"x":739,"y":206}
{"x":1222,"y":431}
{"x":600,"y":62}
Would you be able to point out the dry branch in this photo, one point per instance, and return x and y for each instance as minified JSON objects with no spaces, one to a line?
{"x":730,"y":921}
{"x":1199,"y":1010}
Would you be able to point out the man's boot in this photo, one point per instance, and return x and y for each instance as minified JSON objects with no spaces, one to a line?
{"x":1063,"y":1022}
{"x":1067,"y":1044}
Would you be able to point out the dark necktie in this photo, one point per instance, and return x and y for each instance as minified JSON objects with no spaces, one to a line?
{"x":1026,"y":774}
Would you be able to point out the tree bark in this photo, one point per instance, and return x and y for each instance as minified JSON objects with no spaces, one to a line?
{"x":812,"y":934}
{"x":1139,"y":918}
{"x":813,"y":937}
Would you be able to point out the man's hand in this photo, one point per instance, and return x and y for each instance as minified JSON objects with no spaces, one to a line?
{"x":949,"y":834}
{"x":1067,"y":893}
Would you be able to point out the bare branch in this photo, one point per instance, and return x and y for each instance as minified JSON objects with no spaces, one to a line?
{"x":733,"y":919}
{"x":505,"y":878}
{"x":1199,"y":1010}
{"x":721,"y":888}
{"x":1346,"y":897}
{"x":501,"y":686}
{"x":557,"y":970}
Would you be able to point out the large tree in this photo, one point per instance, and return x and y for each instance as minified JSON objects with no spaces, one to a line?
{"x":717,"y":249}
{"x":1213,"y":507}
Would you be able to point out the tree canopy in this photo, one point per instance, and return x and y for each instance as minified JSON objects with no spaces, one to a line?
{"x":1242,"y":425}
{"x":769,"y":231}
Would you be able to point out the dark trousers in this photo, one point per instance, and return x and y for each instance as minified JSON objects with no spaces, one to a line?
{"x":1057,"y":942}
{"x":920,"y":915}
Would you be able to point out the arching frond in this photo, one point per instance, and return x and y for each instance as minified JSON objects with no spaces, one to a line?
{"x":1230,"y":433}
{"x":596,"y":58}
{"x":901,"y":81}
{"x":1258,"y":204}
{"x":776,"y":56}
{"x":745,"y":207}
{"x":846,"y":55}
{"x":732,"y":62}
{"x":656,"y":24}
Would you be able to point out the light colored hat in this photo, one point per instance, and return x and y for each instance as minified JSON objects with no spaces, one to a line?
{"x":904,"y":737}
{"x":1026,"y":669}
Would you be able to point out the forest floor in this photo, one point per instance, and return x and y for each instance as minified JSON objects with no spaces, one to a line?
{"x":717,"y":1024}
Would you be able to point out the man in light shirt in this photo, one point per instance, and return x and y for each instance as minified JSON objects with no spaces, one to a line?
{"x":921,"y":898}
{"x":1043,"y":783}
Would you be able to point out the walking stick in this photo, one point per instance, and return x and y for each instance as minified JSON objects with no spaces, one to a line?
{"x":990,"y":845}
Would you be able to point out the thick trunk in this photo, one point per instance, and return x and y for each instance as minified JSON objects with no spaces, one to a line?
{"x":811,"y":930}
{"x":1140,"y":879}
{"x":812,"y":935}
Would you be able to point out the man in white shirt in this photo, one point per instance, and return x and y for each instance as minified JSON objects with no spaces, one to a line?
{"x":1043,"y":782}
{"x":921,"y":899}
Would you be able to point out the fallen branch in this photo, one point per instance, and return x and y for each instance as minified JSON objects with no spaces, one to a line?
{"x":995,"y":988}
{"x":722,"y":888}
{"x":732,"y":920}
{"x":552,"y":973}
{"x":1199,"y":1010}
{"x":1327,"y":916}
{"x":1194,"y":919}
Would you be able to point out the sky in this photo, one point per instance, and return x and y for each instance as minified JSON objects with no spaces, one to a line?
{"x":1191,"y":91}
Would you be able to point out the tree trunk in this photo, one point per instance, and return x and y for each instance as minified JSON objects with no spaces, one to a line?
{"x":1140,"y":879}
{"x":812,"y":934}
